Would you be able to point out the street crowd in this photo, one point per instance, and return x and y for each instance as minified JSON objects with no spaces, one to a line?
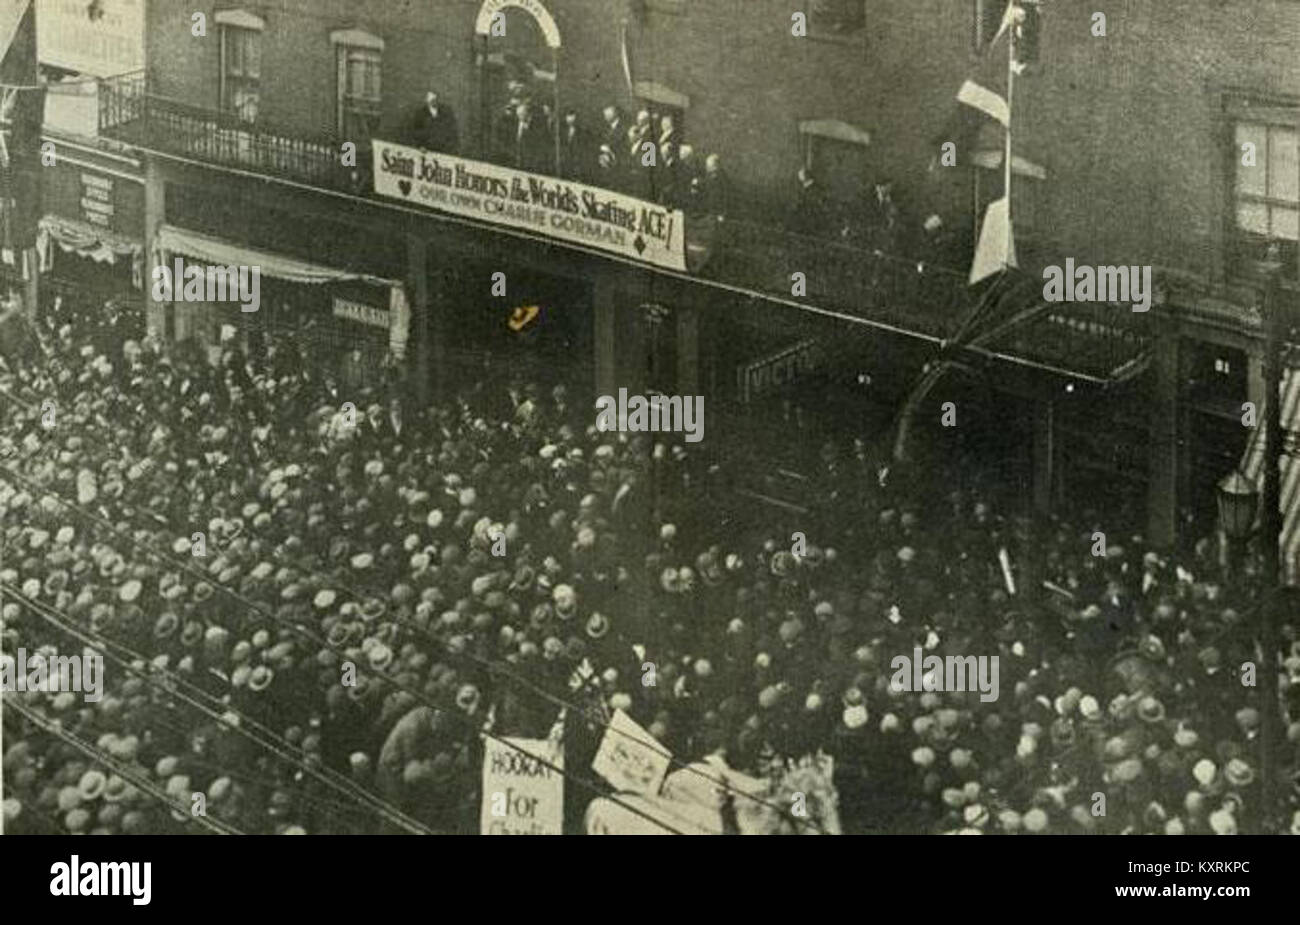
{"x":248,"y":530}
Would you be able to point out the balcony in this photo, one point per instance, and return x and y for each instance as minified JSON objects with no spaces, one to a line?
{"x":129,"y":114}
{"x":890,"y":292}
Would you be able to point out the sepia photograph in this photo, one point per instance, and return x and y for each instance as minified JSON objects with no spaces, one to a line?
{"x":651,"y":417}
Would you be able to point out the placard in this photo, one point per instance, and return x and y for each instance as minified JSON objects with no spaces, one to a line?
{"x":630,"y":758}
{"x":521,"y":795}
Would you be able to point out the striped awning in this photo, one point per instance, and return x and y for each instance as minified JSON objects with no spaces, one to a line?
{"x":1252,"y":466}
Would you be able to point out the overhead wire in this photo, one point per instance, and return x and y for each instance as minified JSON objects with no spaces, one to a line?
{"x":325,"y":775}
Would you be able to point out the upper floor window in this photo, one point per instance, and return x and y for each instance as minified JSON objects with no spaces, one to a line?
{"x":360,"y":98}
{"x":241,"y":63}
{"x":838,"y":17}
{"x":1267,"y":191}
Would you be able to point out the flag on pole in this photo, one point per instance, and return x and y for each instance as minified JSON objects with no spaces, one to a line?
{"x":997,"y":248}
{"x":985,"y":100}
{"x":21,"y":112}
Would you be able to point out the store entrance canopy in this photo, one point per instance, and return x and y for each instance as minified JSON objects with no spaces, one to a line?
{"x":172,"y":240}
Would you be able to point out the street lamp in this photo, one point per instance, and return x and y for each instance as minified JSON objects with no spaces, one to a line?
{"x":1238,"y":504}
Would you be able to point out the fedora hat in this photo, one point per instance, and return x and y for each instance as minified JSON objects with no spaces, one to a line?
{"x":192,"y":634}
{"x":166,"y":625}
{"x":597,"y":626}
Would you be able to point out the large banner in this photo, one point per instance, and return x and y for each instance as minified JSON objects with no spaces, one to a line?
{"x":532,"y":202}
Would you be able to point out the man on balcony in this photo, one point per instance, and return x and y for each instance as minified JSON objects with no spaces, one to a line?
{"x":433,"y":126}
{"x":532,"y":145}
{"x":575,"y":148}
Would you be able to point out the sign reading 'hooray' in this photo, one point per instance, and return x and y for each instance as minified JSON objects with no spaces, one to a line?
{"x":559,"y":209}
{"x":521,"y":794}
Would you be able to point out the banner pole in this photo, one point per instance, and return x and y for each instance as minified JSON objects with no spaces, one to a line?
{"x":1006,"y":154}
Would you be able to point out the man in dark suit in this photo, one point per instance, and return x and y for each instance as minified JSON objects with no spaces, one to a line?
{"x":575,"y":148}
{"x":433,"y":126}
{"x":533,"y":145}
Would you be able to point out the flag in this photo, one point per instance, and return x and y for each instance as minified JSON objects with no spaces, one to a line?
{"x":991,"y":158}
{"x":21,"y":111}
{"x":997,"y":249}
{"x":985,"y":100}
{"x":627,"y":60}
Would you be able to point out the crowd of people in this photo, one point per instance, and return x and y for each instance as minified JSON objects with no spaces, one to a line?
{"x":493,"y":561}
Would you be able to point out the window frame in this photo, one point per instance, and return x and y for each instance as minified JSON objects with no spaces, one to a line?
{"x":350,"y":106}
{"x":981,"y":36}
{"x":232,"y":34}
{"x":857,"y":36}
{"x":1242,"y":108}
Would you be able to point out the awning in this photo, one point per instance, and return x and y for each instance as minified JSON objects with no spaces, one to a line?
{"x":101,"y":245}
{"x":1252,"y":466}
{"x":172,"y":240}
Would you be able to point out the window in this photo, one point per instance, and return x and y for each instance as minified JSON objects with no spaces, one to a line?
{"x":1267,"y":193}
{"x":241,"y":71}
{"x":838,"y":17}
{"x":359,"y":92}
{"x":837,"y":155}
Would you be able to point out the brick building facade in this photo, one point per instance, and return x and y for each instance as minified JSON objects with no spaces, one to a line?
{"x":1139,"y":132}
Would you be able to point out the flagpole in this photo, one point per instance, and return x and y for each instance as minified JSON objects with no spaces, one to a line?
{"x":1012,"y":9}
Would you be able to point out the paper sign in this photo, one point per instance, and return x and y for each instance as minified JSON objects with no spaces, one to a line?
{"x":630,"y":758}
{"x":521,"y":795}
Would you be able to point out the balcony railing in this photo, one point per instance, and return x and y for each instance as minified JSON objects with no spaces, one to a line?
{"x":913,"y":296}
{"x":130,"y":114}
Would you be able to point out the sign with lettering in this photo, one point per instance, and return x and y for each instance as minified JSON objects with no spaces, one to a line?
{"x":534,"y":8}
{"x":97,"y":199}
{"x":630,"y":758}
{"x":360,"y":313}
{"x":104,"y":38}
{"x":94,"y":197}
{"x":559,"y":209}
{"x":782,"y":368}
{"x":521,"y":795}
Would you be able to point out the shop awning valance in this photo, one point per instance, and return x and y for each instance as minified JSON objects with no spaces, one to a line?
{"x":101,"y":245}
{"x":174,"y":240}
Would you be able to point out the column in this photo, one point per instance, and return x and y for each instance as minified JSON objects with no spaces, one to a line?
{"x":155,"y":214}
{"x":605,"y":336}
{"x":1162,"y":485}
{"x":688,"y":350}
{"x":424,"y":362}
